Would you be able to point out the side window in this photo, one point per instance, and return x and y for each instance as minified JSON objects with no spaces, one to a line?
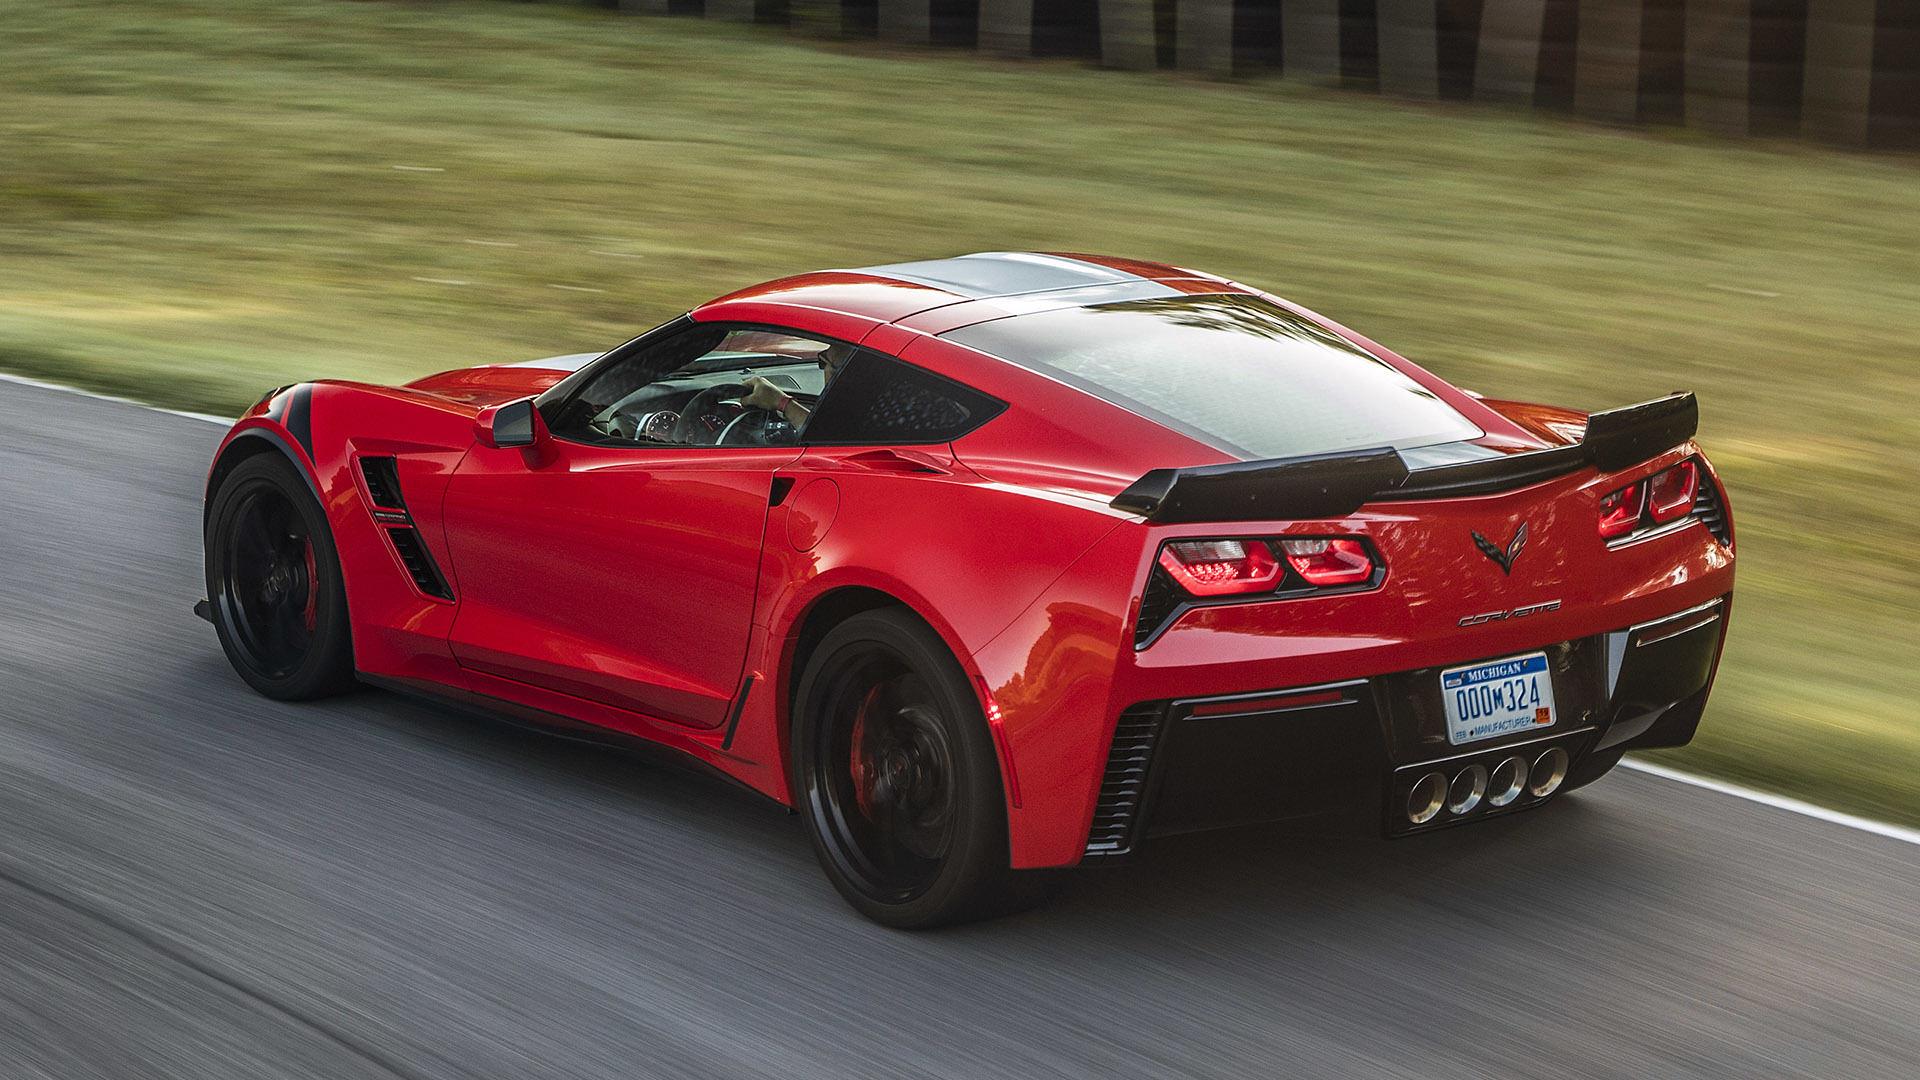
{"x":876,"y":399}
{"x":707,"y":385}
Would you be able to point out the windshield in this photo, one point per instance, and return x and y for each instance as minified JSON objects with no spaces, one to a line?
{"x":1235,"y":371}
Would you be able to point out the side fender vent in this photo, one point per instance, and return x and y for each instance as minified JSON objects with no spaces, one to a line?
{"x":420,"y":565}
{"x":1123,"y":788}
{"x":383,"y":482}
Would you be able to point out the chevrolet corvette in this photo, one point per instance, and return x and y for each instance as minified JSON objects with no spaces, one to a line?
{"x":998,"y":564}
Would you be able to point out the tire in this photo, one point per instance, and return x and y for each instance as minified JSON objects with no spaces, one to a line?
{"x":898,"y":780}
{"x":273,"y":580}
{"x":1592,"y":767}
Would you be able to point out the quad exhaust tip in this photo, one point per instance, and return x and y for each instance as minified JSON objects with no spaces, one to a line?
{"x":1428,"y":795}
{"x":1509,"y":780}
{"x":1549,"y":772}
{"x":1468,"y":788}
{"x":1464,"y":792}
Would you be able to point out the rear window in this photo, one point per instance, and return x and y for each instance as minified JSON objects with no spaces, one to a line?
{"x":1235,"y":371}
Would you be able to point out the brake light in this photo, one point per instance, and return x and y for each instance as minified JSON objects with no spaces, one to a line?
{"x":1670,"y":493}
{"x":1620,"y":511}
{"x":1329,"y":562}
{"x":1221,"y":567}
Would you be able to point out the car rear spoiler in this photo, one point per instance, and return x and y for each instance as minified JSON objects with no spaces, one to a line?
{"x":1334,"y":485}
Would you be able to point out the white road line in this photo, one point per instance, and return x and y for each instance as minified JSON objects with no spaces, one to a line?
{"x":1778,"y":802}
{"x":44,"y":385}
{"x":442,"y":281}
{"x":490,"y":243}
{"x":418,"y":168}
{"x":615,"y":254}
{"x":574,"y":288}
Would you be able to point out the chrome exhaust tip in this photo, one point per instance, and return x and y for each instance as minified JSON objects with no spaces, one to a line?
{"x":1467,"y":789}
{"x":1509,"y":780}
{"x":1428,"y":795}
{"x":1549,"y":772}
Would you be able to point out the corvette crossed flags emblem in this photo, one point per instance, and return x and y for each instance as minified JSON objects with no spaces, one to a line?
{"x":1504,"y":559}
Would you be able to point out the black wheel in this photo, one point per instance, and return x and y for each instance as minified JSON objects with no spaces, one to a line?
{"x":899,"y":782}
{"x":1592,"y":767}
{"x":273,"y":578}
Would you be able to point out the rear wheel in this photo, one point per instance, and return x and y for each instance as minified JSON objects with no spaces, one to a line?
{"x":273,"y":579}
{"x":899,"y":782}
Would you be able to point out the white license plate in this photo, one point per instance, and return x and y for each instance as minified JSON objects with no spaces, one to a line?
{"x":1499,"y":697}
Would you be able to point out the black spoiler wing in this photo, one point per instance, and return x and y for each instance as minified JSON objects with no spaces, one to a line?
{"x":1334,"y":485}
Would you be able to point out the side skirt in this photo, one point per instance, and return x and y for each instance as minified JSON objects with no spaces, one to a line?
{"x":526,"y":718}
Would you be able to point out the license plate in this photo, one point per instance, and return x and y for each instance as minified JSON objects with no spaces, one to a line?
{"x":1499,"y":697}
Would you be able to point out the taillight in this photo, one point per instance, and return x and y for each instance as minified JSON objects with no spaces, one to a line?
{"x":1664,"y":497}
{"x":1221,"y":567}
{"x":1329,"y":562}
{"x":1620,"y":511}
{"x":1670,"y":493}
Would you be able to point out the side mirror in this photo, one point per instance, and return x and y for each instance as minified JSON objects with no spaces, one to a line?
{"x":503,"y":427}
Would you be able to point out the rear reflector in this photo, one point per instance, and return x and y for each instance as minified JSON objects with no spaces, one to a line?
{"x":1271,"y":703}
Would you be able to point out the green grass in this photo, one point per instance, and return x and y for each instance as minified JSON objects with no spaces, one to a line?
{"x":198,"y":201}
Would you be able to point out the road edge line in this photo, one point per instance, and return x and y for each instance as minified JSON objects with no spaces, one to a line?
{"x":1778,"y":802}
{"x":24,"y":380}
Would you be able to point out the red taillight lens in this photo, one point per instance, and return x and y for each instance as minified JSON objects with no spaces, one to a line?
{"x":1620,"y":511}
{"x":1221,"y":567}
{"x":1670,"y":493}
{"x":1329,"y":562}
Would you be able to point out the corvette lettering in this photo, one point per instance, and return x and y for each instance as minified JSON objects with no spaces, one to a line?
{"x":1511,"y":613}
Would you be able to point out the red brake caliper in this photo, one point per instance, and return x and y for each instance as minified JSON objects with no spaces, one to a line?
{"x":311,"y":613}
{"x":861,"y":766}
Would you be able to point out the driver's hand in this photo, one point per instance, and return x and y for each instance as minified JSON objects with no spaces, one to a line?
{"x":762,"y":394}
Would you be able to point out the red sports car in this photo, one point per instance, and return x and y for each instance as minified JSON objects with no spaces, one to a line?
{"x":998,"y":563}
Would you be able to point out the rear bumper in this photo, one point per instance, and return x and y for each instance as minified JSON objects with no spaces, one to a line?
{"x":1347,"y":756}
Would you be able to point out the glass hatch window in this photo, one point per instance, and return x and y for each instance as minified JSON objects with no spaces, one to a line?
{"x":1235,"y":371}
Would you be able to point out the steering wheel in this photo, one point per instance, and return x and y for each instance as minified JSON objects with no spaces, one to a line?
{"x":699,"y":423}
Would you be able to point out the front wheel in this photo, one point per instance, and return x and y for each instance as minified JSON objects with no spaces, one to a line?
{"x":898,"y":780}
{"x":273,"y":579}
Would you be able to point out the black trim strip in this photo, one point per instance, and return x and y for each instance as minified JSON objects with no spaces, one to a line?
{"x":733,"y":719}
{"x":300,"y":417}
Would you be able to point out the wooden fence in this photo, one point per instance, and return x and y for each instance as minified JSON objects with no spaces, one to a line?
{"x":1842,"y":71}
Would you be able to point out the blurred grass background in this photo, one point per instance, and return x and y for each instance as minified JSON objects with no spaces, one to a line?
{"x":201,"y":200}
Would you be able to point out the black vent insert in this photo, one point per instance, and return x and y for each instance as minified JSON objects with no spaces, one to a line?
{"x":383,"y":482}
{"x":1123,"y":788}
{"x":1158,"y":605}
{"x":419,"y":564}
{"x":1708,"y":507}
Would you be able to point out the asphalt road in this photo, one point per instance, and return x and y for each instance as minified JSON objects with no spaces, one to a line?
{"x":196,"y":882}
